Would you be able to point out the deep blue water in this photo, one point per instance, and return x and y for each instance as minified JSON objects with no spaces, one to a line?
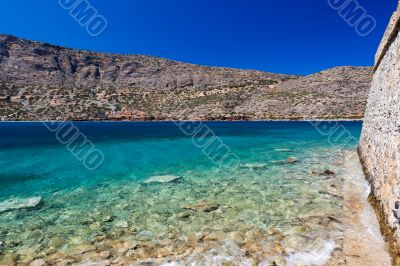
{"x":32,"y":160}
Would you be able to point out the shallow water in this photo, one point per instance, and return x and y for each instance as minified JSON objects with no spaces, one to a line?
{"x":261,"y":212}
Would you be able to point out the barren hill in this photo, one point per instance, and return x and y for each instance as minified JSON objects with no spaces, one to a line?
{"x":39,"y":81}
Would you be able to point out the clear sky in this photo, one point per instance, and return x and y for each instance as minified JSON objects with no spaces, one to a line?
{"x":283,"y":36}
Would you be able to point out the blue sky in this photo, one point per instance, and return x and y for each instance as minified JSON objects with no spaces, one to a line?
{"x":282,"y":36}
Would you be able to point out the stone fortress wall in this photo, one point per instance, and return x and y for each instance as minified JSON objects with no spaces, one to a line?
{"x":380,"y":141}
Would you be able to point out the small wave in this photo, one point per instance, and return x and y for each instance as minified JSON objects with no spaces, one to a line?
{"x":229,"y":253}
{"x":319,"y":254}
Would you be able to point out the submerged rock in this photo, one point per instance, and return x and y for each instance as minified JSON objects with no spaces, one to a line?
{"x":108,"y":219}
{"x":122,"y":224}
{"x":203,"y":207}
{"x":105,"y":254}
{"x":215,"y":236}
{"x":283,"y":150}
{"x":38,"y":262}
{"x":184,"y":216}
{"x":291,"y":160}
{"x":17,"y":204}
{"x":328,"y":172}
{"x":254,"y":165}
{"x":162,"y":179}
{"x":332,"y":193}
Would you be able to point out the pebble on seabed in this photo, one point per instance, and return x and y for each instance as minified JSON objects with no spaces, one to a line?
{"x":162,"y":179}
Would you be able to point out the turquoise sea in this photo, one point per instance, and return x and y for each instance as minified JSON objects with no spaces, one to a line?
{"x":268,"y":204}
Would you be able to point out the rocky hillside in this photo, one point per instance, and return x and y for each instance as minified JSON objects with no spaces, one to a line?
{"x":39,"y":81}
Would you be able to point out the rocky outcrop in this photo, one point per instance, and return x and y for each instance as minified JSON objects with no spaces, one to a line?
{"x":39,"y":81}
{"x":29,"y":63}
{"x":380,"y":141}
{"x":339,"y":92}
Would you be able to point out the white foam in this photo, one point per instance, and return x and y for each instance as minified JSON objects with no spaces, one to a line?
{"x":319,"y":254}
{"x":229,"y":253}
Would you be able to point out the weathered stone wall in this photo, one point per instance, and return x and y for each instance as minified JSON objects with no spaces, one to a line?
{"x":380,"y":140}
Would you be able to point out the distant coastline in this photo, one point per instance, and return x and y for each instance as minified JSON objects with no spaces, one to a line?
{"x":39,"y":81}
{"x":171,"y":121}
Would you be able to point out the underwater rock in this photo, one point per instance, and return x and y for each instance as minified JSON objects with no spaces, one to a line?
{"x":238,"y":237}
{"x":253,"y":165}
{"x":184,"y":216}
{"x":107,"y":219}
{"x":328,"y":172}
{"x":162,"y":179}
{"x":331,"y":193}
{"x":292,"y":243}
{"x":105,"y":255}
{"x":38,"y":262}
{"x":203,"y":207}
{"x":122,"y":224}
{"x":215,"y":236}
{"x":291,"y":160}
{"x":283,"y":150}
{"x":17,"y":204}
{"x":146,"y":234}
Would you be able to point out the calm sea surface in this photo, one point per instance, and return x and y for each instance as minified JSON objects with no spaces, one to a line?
{"x":253,"y":212}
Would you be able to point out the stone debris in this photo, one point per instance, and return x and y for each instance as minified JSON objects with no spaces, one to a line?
{"x":162,"y":179}
{"x":17,"y":204}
